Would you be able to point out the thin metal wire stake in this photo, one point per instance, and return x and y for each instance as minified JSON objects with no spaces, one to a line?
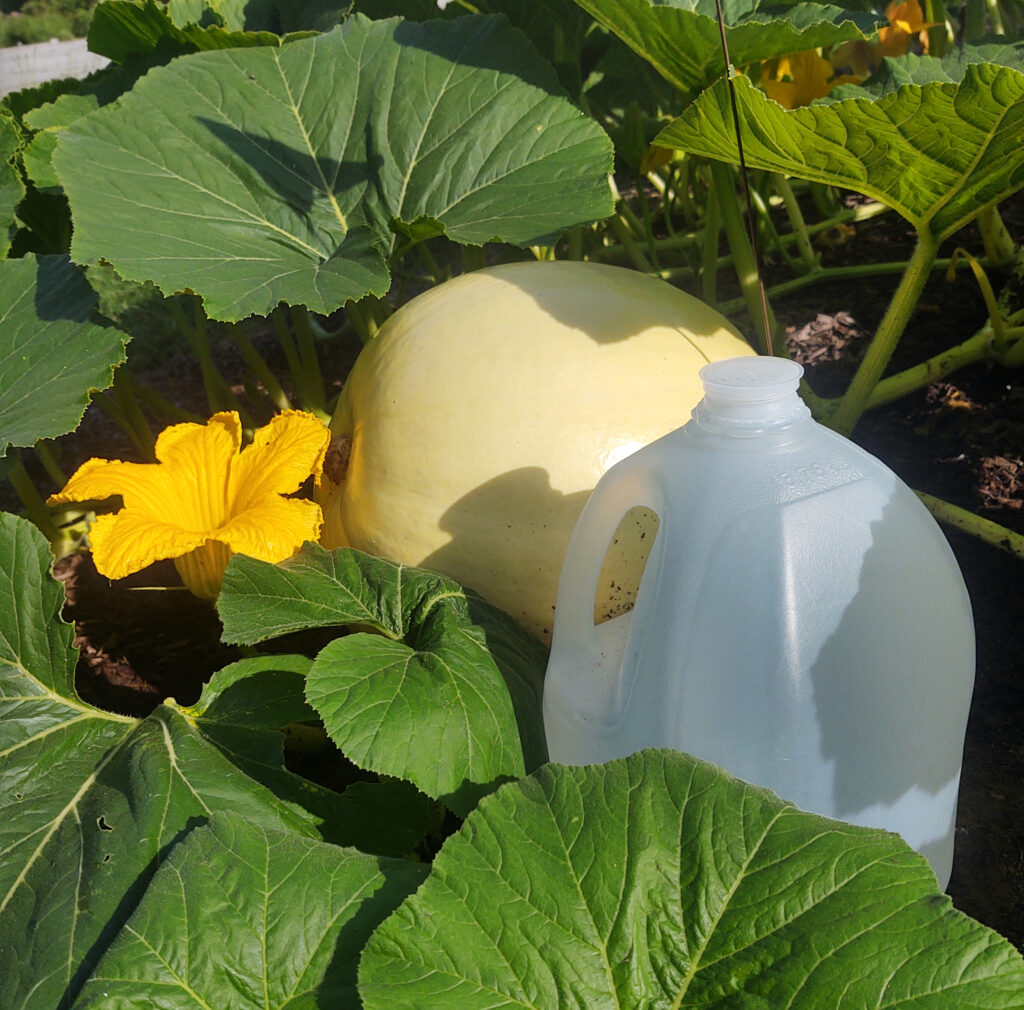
{"x":730,"y":73}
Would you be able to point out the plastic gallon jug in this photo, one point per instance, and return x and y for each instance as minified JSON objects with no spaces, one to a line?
{"x":801,"y":620}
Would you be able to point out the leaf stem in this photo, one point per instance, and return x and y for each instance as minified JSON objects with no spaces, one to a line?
{"x":742,"y":251}
{"x":218,"y":392}
{"x":796,"y":221}
{"x":709,"y":250}
{"x":310,"y":358}
{"x":887,"y":336}
{"x":257,"y":364}
{"x":35,"y":507}
{"x":975,"y":525}
{"x":45,"y":454}
{"x":1000,"y":249}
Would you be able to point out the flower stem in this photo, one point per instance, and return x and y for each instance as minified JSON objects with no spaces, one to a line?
{"x":976,"y":526}
{"x":849,"y":408}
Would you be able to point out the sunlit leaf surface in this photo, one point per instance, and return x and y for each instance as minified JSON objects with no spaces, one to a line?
{"x":660,"y":881}
{"x":937,"y":153}
{"x":290,"y":174}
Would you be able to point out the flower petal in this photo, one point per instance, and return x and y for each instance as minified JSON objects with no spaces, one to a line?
{"x":274,"y":529}
{"x":128,"y":541}
{"x":143,"y":486}
{"x":282,"y":455}
{"x":197,"y":460}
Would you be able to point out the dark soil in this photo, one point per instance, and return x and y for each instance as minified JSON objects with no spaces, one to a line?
{"x":961,"y":440}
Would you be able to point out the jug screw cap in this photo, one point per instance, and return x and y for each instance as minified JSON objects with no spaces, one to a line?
{"x":744,"y":396}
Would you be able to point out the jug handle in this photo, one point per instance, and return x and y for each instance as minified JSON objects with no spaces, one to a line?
{"x":628,"y":484}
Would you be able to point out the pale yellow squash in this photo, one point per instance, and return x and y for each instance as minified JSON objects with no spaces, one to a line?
{"x":475,"y":424}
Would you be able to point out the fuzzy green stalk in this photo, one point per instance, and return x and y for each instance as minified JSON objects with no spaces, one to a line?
{"x":824,"y":198}
{"x":45,"y":454}
{"x":575,"y":246}
{"x":112,"y":406}
{"x":629,"y":243}
{"x":1000,"y":249}
{"x":709,"y":250}
{"x":475,"y":258}
{"x":968,"y":522}
{"x":125,"y":392}
{"x":256,"y":364}
{"x":648,"y":221}
{"x":313,"y":379}
{"x":162,"y":407}
{"x":743,"y":254}
{"x":362,"y":320}
{"x":305,"y":391}
{"x":975,"y":19}
{"x":35,"y":507}
{"x":801,"y":235}
{"x":851,"y":405}
{"x":771,"y":232}
{"x":995,"y":317}
{"x":938,"y":36}
{"x":218,"y":393}
{"x":979,"y":347}
{"x":825,"y":274}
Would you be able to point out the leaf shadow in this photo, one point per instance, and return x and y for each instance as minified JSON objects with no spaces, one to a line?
{"x":340,"y":986}
{"x":125,"y":908}
{"x":294,"y":177}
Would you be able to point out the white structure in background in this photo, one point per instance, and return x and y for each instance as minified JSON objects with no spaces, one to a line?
{"x":23,"y":66}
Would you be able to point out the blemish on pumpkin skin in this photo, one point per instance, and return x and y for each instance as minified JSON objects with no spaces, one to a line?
{"x":336,"y":461}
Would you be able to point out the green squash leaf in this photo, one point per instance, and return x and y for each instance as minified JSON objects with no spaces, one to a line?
{"x":445,"y":693}
{"x":255,"y":176}
{"x":90,"y":801}
{"x":660,"y":881}
{"x":123,"y":29}
{"x":913,"y":69}
{"x":51,"y":355}
{"x":386,"y":818}
{"x":243,"y":916}
{"x":937,"y":153}
{"x":682,"y":40}
{"x":12,"y":189}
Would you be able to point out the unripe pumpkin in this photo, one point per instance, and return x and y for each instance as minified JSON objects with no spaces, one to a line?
{"x":477,"y":421}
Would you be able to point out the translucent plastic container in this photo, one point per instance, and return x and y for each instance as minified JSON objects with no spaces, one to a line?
{"x":801,"y":620}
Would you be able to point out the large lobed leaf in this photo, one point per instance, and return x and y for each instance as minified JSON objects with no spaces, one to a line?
{"x":437,"y":694}
{"x":241,"y":916}
{"x":937,"y":153}
{"x":52,"y":356}
{"x":91,"y":802}
{"x":255,"y":176}
{"x":660,"y":881}
{"x":681,"y":39}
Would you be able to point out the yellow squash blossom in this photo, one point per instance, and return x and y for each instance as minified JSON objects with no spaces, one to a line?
{"x":204,"y":500}
{"x":798,"y":79}
{"x":905,"y":21}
